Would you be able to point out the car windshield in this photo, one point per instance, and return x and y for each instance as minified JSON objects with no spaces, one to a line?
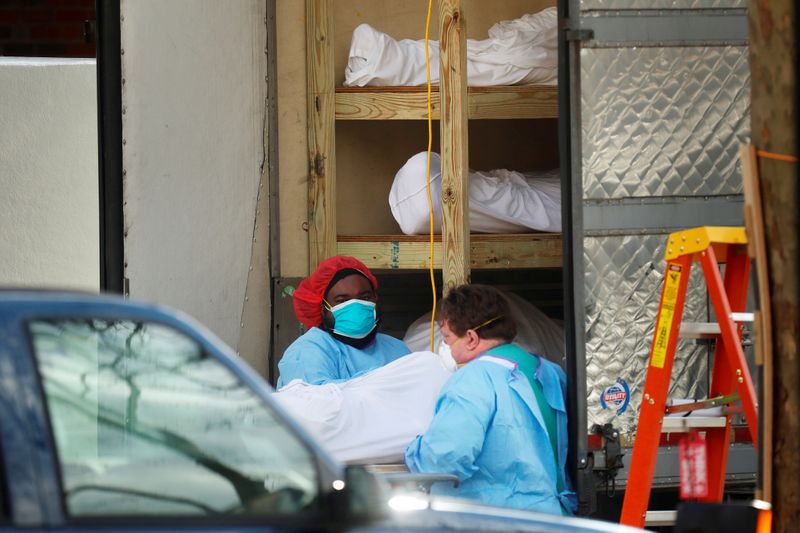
{"x":146,"y":423}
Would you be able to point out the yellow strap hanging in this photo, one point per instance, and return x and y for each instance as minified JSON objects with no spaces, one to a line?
{"x":428,"y":172}
{"x":479,"y":326}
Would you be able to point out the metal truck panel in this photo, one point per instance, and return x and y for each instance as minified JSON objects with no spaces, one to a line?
{"x":587,"y":5}
{"x":622,"y":287}
{"x":663,"y":121}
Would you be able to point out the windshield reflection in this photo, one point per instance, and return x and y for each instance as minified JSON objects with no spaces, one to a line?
{"x":146,"y":423}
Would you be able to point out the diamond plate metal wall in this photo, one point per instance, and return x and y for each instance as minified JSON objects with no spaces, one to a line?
{"x":663,"y":121}
{"x":587,"y":5}
{"x":623,"y":279}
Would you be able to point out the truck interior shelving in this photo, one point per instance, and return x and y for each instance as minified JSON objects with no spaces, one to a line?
{"x":360,"y":136}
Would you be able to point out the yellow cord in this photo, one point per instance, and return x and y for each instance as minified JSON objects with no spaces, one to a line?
{"x":428,"y":171}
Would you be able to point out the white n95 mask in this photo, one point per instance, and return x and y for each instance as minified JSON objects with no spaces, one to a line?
{"x":446,"y":356}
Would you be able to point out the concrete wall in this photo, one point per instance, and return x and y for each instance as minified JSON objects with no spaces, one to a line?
{"x":196,"y":196}
{"x":49,"y":215}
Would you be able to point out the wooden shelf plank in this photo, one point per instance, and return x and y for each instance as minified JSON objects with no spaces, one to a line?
{"x":402,"y":252}
{"x":410,"y":103}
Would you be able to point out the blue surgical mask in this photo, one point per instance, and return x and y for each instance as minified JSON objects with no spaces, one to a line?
{"x":354,"y":318}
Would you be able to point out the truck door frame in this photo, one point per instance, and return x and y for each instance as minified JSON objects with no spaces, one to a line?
{"x":109,"y":138}
{"x":624,"y":25}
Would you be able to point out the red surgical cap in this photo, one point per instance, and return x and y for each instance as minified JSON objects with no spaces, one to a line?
{"x":308,"y":296}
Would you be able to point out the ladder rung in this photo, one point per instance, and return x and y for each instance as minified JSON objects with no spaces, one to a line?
{"x":679,"y":424}
{"x":660,"y":518}
{"x":683,"y":406}
{"x":707,"y":330}
{"x":699,"y":330}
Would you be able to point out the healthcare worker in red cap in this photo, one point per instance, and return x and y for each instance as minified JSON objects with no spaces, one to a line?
{"x":338,"y":305}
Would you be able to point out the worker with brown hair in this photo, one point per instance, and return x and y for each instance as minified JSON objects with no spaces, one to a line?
{"x":338,"y":305}
{"x":500,"y":422}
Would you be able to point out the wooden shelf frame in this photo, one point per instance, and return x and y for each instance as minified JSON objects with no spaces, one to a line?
{"x":410,"y":103}
{"x":399,"y":252}
{"x":454,"y":104}
{"x":453,"y":145}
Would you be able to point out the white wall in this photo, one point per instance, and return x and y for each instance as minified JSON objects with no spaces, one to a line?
{"x":196,"y":201}
{"x":49,"y":218}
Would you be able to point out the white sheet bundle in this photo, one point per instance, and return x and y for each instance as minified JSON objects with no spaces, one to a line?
{"x":536,"y":332}
{"x":500,"y":201}
{"x":373,"y":417}
{"x":521,"y":51}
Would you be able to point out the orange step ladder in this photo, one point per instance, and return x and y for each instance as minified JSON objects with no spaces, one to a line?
{"x":730,"y":377}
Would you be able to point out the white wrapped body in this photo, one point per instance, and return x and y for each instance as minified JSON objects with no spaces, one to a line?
{"x":370,"y":418}
{"x":517,"y":52}
{"x":500,"y":201}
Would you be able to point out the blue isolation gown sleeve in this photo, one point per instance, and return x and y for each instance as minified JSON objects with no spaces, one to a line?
{"x":457,"y":431}
{"x":487,"y":430}
{"x":318,"y":358}
{"x":307,"y":360}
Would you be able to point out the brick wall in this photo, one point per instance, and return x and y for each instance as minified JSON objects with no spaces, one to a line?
{"x":47,"y":28}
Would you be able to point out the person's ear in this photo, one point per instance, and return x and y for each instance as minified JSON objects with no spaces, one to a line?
{"x":472,"y":339}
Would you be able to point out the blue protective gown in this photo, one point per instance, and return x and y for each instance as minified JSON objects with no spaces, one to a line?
{"x":487,"y":429}
{"x":317,"y":358}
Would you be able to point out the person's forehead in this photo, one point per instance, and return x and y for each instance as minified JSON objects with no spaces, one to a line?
{"x":351,"y":285}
